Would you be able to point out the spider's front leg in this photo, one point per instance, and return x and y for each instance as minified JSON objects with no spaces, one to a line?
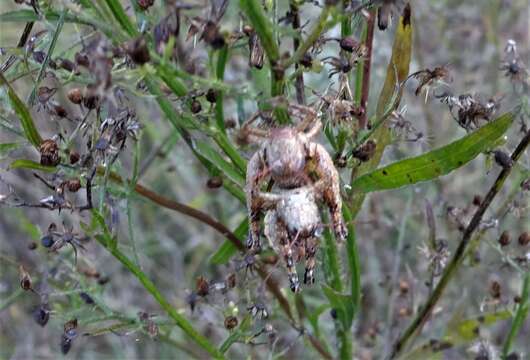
{"x":328,"y":187}
{"x":257,"y":171}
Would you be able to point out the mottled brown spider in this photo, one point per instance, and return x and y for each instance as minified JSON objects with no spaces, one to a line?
{"x":290,"y":158}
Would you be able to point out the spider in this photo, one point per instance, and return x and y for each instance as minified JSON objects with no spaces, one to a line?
{"x":290,"y":159}
{"x":293,"y":225}
{"x":68,"y":236}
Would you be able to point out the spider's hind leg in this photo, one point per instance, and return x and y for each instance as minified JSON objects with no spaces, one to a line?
{"x":287,"y":253}
{"x":311,"y":246}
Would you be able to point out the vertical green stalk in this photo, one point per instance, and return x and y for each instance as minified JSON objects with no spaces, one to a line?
{"x":222,"y":58}
{"x":520,"y":316}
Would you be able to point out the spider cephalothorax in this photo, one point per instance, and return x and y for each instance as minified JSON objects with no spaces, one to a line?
{"x":290,"y":158}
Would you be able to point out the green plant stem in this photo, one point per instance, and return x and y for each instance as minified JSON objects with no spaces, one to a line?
{"x":415,"y":327}
{"x":520,"y":316}
{"x":367,"y":64}
{"x":220,"y":73}
{"x":119,"y":14}
{"x":299,"y":80}
{"x":316,"y":32}
{"x":153,"y":290}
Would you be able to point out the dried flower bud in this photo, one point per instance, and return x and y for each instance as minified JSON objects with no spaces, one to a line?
{"x":75,"y":95}
{"x":74,"y":157}
{"x":86,"y":298}
{"x":32,"y":245}
{"x":504,"y":239}
{"x":73,"y":185}
{"x":306,"y":60}
{"x":195,"y":106}
{"x":44,"y":94}
{"x":340,"y":160}
{"x":211,"y":95}
{"x":138,"y":51}
{"x":145,"y":4}
{"x":502,"y":159}
{"x":203,"y":287}
{"x":25,"y":279}
{"x":66,"y":65}
{"x":60,"y":111}
{"x":477,"y":200}
{"x":39,"y":56}
{"x":247,"y":29}
{"x":212,"y":36}
{"x":47,"y":241}
{"x":365,"y":151}
{"x":495,"y":290}
{"x":230,"y":281}
{"x":405,"y":311}
{"x":404,"y":287}
{"x":230,"y":123}
{"x":230,"y":322}
{"x":81,"y":59}
{"x":524,"y":239}
{"x":41,"y":314}
{"x":214,"y":182}
{"x":90,"y":99}
{"x":49,"y":153}
{"x":348,"y":44}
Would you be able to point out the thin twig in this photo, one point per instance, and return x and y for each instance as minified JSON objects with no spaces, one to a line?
{"x":415,"y":327}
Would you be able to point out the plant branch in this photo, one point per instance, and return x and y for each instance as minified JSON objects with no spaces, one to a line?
{"x":367,"y":64}
{"x":417,"y":324}
{"x":520,"y":315}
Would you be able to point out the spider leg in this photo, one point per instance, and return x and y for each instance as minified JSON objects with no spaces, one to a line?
{"x":75,"y":253}
{"x":287,"y":253}
{"x":311,"y":246}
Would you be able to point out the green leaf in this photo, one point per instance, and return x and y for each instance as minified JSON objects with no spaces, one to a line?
{"x":226,"y":167}
{"x":435,"y":163}
{"x":110,"y":241}
{"x":30,"y":130}
{"x":30,"y":164}
{"x":260,"y":22}
{"x":227,"y":249}
{"x":354,"y":263}
{"x":468,"y":330}
{"x":122,"y":18}
{"x":343,"y":304}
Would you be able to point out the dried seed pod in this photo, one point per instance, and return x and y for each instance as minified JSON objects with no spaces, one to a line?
{"x":195,"y":106}
{"x":90,"y":99}
{"x":73,"y":185}
{"x":230,"y":123}
{"x":75,"y":95}
{"x":524,"y":239}
{"x":47,"y":241}
{"x":145,"y":4}
{"x":74,"y":157}
{"x":504,"y":239}
{"x":214,"y":182}
{"x":138,"y":51}
{"x":502,"y":159}
{"x":257,"y":53}
{"x":404,"y":287}
{"x":39,"y":56}
{"x":365,"y":151}
{"x":230,"y":322}
{"x":66,"y":65}
{"x":25,"y":279}
{"x":340,"y":160}
{"x":49,"y":153}
{"x":203,"y":287}
{"x":41,"y":314}
{"x":212,"y":35}
{"x":495,"y":289}
{"x":230,"y":281}
{"x":211,"y":95}
{"x":60,"y":111}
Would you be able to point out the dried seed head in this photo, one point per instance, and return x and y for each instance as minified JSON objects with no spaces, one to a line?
{"x":214,"y":182}
{"x":477,"y":200}
{"x":73,"y":185}
{"x":74,"y":157}
{"x":32,"y":245}
{"x":195,"y":106}
{"x":495,"y":289}
{"x":230,"y":322}
{"x":60,"y":111}
{"x":211,"y":95}
{"x":203,"y":287}
{"x":348,"y":44}
{"x":306,"y":60}
{"x":524,"y":239}
{"x":138,"y":51}
{"x":230,"y":123}
{"x":49,"y":153}
{"x":502,"y":159}
{"x":25,"y":279}
{"x":504,"y":239}
{"x":75,"y":95}
{"x":145,"y":4}
{"x":81,"y":59}
{"x":248,"y":30}
{"x":365,"y":151}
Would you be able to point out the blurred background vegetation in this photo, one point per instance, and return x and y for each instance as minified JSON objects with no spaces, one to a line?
{"x":116,"y":316}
